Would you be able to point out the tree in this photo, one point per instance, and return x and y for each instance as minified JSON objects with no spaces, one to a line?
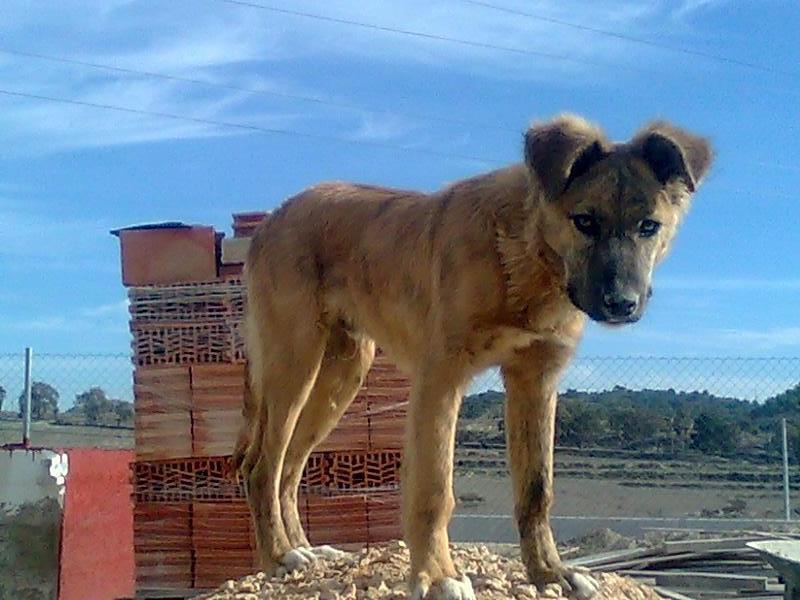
{"x":786,"y":404}
{"x":714,"y":433}
{"x":634,"y":425}
{"x":775,"y":443}
{"x":94,"y":403}
{"x":578,"y":423}
{"x":682,"y":425}
{"x":123,"y":411}
{"x":44,"y":401}
{"x":488,"y":403}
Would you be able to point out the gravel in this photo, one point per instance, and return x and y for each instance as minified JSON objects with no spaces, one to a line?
{"x":379,"y":573}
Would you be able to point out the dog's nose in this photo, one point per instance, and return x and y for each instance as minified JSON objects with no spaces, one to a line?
{"x":620,"y":305}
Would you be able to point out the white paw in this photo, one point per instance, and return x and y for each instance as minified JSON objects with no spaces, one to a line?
{"x":328,"y":552}
{"x":582,"y":585}
{"x":296,"y":560}
{"x":447,"y":589}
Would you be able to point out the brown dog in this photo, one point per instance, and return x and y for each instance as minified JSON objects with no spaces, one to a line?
{"x":500,"y":269}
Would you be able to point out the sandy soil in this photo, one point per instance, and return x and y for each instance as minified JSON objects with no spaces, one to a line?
{"x":47,"y":435}
{"x":606,"y":498}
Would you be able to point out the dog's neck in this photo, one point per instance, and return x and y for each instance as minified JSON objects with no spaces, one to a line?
{"x":534,"y":273}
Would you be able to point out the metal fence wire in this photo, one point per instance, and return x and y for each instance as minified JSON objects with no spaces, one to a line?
{"x":69,"y":375}
{"x":744,"y":378}
{"x":633,"y":436}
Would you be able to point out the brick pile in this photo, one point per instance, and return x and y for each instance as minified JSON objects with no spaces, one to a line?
{"x":192,"y":526}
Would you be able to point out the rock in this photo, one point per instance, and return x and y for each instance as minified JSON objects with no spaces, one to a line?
{"x":380,"y":573}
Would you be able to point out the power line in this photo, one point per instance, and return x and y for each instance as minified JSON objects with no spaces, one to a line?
{"x":423,"y":35}
{"x":630,"y":38}
{"x":286,"y":132}
{"x":517,"y":50}
{"x":247,"y":127}
{"x":286,"y":95}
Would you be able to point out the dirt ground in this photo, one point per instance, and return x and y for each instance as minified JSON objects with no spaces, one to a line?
{"x":47,"y":435}
{"x":627,"y":484}
{"x":607,"y":498}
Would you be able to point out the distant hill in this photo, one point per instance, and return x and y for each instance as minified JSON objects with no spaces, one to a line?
{"x":650,"y":419}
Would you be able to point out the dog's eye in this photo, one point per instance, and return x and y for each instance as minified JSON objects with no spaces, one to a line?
{"x":649,"y":228}
{"x":586,"y":224}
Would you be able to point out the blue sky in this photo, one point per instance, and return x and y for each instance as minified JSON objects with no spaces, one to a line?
{"x":69,"y":174}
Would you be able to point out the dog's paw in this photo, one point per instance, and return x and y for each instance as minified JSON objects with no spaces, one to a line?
{"x":328,"y":552}
{"x":446,"y":589}
{"x":579,"y":584}
{"x":295,"y":560}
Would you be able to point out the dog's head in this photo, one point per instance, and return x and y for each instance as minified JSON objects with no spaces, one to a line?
{"x":610,"y":211}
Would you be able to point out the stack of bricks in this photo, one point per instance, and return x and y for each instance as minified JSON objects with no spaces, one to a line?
{"x":192,"y":527}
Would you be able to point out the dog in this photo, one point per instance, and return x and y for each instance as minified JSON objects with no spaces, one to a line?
{"x":501,"y":269}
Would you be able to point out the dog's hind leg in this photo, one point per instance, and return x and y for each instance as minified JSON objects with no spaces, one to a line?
{"x":344,"y":366}
{"x":285,"y":357}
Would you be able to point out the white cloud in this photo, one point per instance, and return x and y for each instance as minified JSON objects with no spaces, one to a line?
{"x":238,"y":46}
{"x":477,"y":25}
{"x":689,"y":8}
{"x":185,"y":43}
{"x":383,"y":128}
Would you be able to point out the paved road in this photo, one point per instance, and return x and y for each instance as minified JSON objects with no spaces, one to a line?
{"x":502,"y":529}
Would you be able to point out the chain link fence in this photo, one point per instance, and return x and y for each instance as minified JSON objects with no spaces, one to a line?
{"x":69,"y":374}
{"x":745,"y":378}
{"x":77,"y":399}
{"x":645,"y":437}
{"x":642,"y":444}
{"x":731,"y":377}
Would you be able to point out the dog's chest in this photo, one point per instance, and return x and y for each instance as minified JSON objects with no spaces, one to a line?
{"x":495,"y":346}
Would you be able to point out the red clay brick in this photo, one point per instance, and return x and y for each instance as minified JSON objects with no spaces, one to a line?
{"x":168,"y":255}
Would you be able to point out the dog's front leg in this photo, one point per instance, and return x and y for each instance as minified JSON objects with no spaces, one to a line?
{"x":531,"y":380}
{"x":427,"y":482}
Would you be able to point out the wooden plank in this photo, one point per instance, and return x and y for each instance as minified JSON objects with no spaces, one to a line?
{"x":706,"y":581}
{"x":731,"y":543}
{"x":671,"y":594}
{"x":638,"y":564}
{"x":689,"y":561}
{"x":739,"y":532}
{"x":596,"y":560}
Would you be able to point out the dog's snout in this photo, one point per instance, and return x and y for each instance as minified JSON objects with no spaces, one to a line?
{"x":620,"y":304}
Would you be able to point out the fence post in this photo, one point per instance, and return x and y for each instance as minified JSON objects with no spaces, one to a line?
{"x":26,"y":412}
{"x":786,"y":501}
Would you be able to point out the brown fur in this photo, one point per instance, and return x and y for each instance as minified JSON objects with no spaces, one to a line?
{"x":478,"y":274}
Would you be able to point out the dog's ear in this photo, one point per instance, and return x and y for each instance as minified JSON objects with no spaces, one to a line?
{"x":561,"y":150}
{"x":673,"y":153}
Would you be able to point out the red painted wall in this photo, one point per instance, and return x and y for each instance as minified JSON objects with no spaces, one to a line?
{"x":97,"y":532}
